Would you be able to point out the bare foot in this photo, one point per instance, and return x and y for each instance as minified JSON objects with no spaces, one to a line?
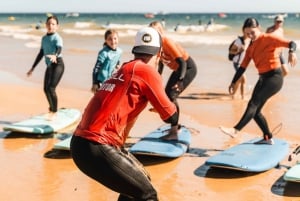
{"x":172,"y":133}
{"x":50,"y":116}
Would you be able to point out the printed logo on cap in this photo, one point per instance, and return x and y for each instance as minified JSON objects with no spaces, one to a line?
{"x":147,"y":38}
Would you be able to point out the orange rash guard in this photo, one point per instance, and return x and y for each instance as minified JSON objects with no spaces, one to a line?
{"x":265,"y":52}
{"x":170,"y":52}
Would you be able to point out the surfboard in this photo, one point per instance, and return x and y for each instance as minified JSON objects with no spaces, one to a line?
{"x":39,"y":124}
{"x":250,"y":157}
{"x":63,"y":144}
{"x":293,"y":174}
{"x":152,"y":145}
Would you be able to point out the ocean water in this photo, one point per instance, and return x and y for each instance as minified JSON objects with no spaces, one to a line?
{"x":191,"y":27}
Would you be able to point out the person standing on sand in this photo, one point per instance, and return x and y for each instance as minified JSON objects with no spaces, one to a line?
{"x":176,"y":58}
{"x":263,"y":49}
{"x":97,"y":146}
{"x":238,"y":49}
{"x":51,"y":48}
{"x":108,"y":59}
{"x":277,"y":29}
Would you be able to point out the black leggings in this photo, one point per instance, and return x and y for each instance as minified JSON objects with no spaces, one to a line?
{"x":115,"y":168}
{"x":268,"y":84}
{"x":53,"y":75}
{"x":191,"y":72}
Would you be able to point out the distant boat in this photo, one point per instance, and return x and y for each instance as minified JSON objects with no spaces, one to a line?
{"x":72,"y":14}
{"x":11,"y":18}
{"x":149,"y":15}
{"x":222,"y":15}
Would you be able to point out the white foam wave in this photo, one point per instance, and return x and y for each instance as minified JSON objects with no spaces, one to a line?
{"x":82,"y":25}
{"x":200,"y":28}
{"x":201,"y":39}
{"x":85,"y":32}
{"x":124,"y":26}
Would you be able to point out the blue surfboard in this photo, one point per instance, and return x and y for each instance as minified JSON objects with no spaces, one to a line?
{"x":152,"y":145}
{"x":250,"y":157}
{"x":39,"y":124}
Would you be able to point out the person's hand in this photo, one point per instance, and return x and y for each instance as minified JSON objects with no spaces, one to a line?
{"x":178,"y":86}
{"x":29,"y":73}
{"x":95,"y":88}
{"x":52,"y":58}
{"x":152,"y":110}
{"x":292,"y":59}
{"x":232,"y":88}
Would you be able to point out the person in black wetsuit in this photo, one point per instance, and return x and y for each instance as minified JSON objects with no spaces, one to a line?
{"x":180,"y":62}
{"x":51,"y":47}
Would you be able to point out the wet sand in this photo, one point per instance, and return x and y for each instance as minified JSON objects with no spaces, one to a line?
{"x":27,"y":175}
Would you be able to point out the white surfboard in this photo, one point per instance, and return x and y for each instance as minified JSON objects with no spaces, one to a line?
{"x":39,"y":124}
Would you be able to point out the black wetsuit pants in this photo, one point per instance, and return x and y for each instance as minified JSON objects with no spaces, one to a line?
{"x":191,"y":72}
{"x":114,"y":168}
{"x":268,"y":84}
{"x":52,"y":77}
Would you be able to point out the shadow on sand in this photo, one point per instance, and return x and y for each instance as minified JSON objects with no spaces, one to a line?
{"x":207,"y":96}
{"x":285,"y":188}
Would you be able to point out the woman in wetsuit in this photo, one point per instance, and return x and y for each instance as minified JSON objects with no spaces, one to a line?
{"x":51,"y":47}
{"x":264,"y":51}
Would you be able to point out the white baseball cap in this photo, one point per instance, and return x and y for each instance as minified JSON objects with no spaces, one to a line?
{"x":147,"y":41}
{"x":279,"y":18}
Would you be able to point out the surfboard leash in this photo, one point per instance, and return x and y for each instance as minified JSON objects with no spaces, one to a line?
{"x":294,"y":153}
{"x":277,"y":129}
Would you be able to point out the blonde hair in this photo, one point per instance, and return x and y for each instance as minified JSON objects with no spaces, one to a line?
{"x":157,"y":25}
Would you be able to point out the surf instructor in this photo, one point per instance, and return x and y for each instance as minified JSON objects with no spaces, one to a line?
{"x":97,"y":144}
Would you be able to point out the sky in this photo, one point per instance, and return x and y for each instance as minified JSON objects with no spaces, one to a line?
{"x":154,"y":6}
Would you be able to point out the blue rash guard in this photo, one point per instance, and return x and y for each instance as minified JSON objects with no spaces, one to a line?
{"x":107,"y":61}
{"x":50,"y":44}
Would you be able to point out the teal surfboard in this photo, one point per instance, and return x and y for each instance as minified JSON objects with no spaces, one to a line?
{"x":39,"y":124}
{"x":152,"y":145}
{"x":250,"y":157}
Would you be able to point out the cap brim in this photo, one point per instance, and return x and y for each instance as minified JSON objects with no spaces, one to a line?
{"x":145,"y":50}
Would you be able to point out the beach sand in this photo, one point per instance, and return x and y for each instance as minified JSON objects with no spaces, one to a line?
{"x":27,"y":175}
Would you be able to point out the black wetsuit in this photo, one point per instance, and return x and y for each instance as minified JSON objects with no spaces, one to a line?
{"x":183,"y":75}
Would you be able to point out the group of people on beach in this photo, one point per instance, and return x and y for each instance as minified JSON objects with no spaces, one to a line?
{"x":97,"y":146}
